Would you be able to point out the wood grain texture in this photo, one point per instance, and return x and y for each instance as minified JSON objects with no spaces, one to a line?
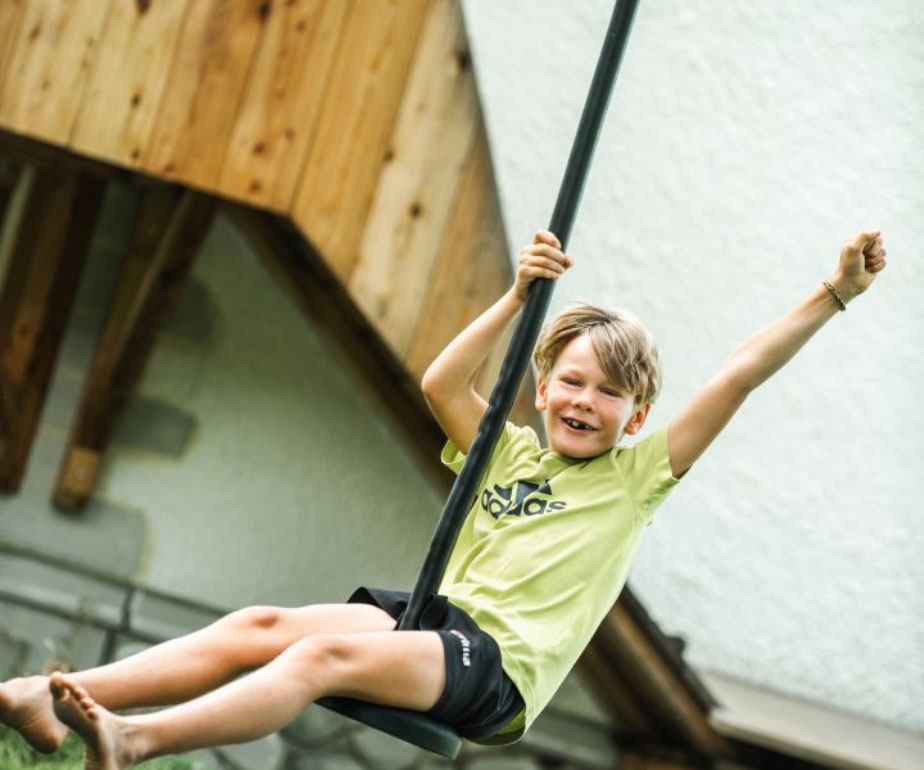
{"x":46,"y":67}
{"x":471,"y":269}
{"x":281,"y":102}
{"x":10,"y":16}
{"x":364,"y":92}
{"x":471,"y":272}
{"x":136,"y":51}
{"x":418,"y":187}
{"x":661,"y":694}
{"x":51,"y":235}
{"x":214,"y":54}
{"x":169,"y":227}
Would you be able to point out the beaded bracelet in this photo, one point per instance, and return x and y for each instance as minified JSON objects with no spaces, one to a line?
{"x":837,"y":297}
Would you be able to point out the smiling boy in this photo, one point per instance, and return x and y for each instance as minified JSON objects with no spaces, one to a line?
{"x":540,"y":559}
{"x":539,"y":579}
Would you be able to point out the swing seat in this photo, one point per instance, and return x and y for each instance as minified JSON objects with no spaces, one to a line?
{"x":411,"y":726}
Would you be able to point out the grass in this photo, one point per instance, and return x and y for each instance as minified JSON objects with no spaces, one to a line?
{"x":15,"y":754}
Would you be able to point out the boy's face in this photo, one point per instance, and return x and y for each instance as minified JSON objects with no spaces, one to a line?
{"x":585,"y":413}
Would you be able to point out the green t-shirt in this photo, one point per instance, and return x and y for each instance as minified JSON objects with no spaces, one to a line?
{"x":545,"y":551}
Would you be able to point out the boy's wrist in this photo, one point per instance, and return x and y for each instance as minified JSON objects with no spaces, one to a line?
{"x":845,"y":288}
{"x":514,"y":298}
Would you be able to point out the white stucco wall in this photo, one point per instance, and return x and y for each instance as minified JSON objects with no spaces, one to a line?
{"x":293,"y":489}
{"x":744,"y":142}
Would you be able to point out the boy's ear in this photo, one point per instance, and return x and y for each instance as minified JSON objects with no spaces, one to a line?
{"x":637,"y":420}
{"x":541,"y":389}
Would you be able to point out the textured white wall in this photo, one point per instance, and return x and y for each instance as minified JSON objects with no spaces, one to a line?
{"x":744,"y":142}
{"x":293,"y":490}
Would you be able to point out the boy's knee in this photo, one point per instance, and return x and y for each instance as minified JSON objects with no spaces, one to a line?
{"x":327,"y":656}
{"x":255,"y":618}
{"x":322,"y":649}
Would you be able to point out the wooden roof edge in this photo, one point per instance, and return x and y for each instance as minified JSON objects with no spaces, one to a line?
{"x":631,"y":661}
{"x":305,"y":276}
{"x":813,"y":731}
{"x":661,"y":704}
{"x":27,"y":150}
{"x":669,"y":647}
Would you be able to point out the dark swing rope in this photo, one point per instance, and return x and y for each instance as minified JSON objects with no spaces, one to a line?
{"x":412,"y":726}
{"x":527,"y":331}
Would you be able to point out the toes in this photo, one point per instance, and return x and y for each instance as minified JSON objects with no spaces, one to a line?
{"x":89,"y":707}
{"x":56,"y":685}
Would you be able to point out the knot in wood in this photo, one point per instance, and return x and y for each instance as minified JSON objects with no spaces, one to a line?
{"x":463,"y":60}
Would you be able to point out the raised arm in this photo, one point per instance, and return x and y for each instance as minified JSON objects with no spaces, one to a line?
{"x":449,"y":382}
{"x":765,"y":352}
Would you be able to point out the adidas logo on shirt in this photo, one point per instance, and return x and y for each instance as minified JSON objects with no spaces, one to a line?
{"x":519,"y":500}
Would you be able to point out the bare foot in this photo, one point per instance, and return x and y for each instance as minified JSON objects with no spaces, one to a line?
{"x":105,"y":735}
{"x":25,"y":705}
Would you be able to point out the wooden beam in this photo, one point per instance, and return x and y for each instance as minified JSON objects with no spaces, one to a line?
{"x":208,"y":76}
{"x":25,"y":151}
{"x":418,"y":188}
{"x":601,"y":677}
{"x":10,"y":15}
{"x":9,"y":176}
{"x":305,"y":277}
{"x":282,"y":101}
{"x":168,"y":229}
{"x":123,"y":94}
{"x":51,"y":48}
{"x":9,"y":185}
{"x":471,"y":270}
{"x":51,"y":234}
{"x":346,"y":154}
{"x":659,"y":691}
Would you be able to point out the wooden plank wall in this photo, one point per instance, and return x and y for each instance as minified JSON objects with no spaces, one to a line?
{"x":358,"y":119}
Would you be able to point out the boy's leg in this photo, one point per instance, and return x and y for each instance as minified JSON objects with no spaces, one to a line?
{"x":186,"y":667}
{"x":403,"y":668}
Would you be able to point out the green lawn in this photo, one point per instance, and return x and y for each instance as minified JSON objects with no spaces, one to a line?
{"x":16,"y":755}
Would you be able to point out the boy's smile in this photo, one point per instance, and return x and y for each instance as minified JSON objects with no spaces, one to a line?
{"x":585,"y":412}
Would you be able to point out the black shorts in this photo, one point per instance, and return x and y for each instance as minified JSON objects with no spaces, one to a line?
{"x":479,"y":698}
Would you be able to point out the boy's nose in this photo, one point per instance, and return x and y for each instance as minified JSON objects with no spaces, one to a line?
{"x":583,"y":400}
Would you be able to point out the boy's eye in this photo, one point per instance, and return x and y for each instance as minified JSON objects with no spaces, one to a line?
{"x":611,"y":392}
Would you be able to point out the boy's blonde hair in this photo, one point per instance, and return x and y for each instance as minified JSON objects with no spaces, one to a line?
{"x":626,"y":351}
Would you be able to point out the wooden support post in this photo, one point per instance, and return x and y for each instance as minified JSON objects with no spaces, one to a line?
{"x":168,"y":229}
{"x":9,"y":175}
{"x":48,"y":246}
{"x":660,"y":693}
{"x":601,"y":675}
